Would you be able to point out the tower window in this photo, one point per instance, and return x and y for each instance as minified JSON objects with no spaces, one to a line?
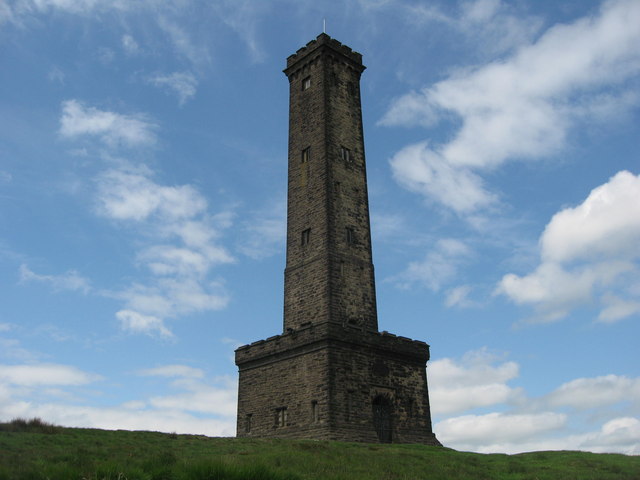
{"x":345,"y":154}
{"x":247,"y":423}
{"x":306,"y":83}
{"x":315,"y":414}
{"x":306,"y":236}
{"x":281,"y":417}
{"x":306,"y":153}
{"x":351,"y":236}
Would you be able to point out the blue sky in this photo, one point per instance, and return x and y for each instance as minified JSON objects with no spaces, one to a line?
{"x":142,"y":207}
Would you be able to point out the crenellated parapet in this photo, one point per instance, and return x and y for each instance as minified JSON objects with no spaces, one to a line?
{"x":323,"y":43}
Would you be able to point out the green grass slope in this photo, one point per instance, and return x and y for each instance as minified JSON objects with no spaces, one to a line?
{"x":36,"y":450}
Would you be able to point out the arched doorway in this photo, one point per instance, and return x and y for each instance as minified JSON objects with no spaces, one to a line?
{"x":382,"y":418}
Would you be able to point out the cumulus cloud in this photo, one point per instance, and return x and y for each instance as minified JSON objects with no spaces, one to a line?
{"x":584,"y":393}
{"x":130,"y":194}
{"x":201,"y":397}
{"x":474,"y":381}
{"x":518,"y":108}
{"x":471,"y":430}
{"x":605,"y":225}
{"x":112,"y":128}
{"x":183,"y":84}
{"x":199,"y":405}
{"x":586,"y":251}
{"x":71,"y":280}
{"x":512,"y":422}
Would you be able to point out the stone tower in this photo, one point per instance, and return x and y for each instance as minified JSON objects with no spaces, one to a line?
{"x":331,"y":374}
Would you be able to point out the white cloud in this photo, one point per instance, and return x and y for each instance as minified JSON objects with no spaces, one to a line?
{"x":71,"y":280}
{"x":183,"y":84}
{"x":422,"y":170}
{"x":112,"y":128}
{"x":201,"y":397}
{"x":515,"y":423}
{"x":136,"y":322}
{"x":439,"y":266}
{"x":182,"y":42}
{"x":182,"y":248}
{"x":44,"y":374}
{"x":173,"y":371}
{"x":470,"y":431}
{"x":585,"y":393}
{"x":519,"y":108}
{"x":618,"y":435}
{"x":473,"y":382}
{"x":616,"y":308}
{"x":605,"y":225}
{"x":45,"y":391}
{"x":587,"y":250}
{"x":130,"y":45}
{"x":130,"y":194}
{"x":459,"y":297}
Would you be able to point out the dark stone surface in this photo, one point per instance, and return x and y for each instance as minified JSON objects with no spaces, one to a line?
{"x":331,"y":374}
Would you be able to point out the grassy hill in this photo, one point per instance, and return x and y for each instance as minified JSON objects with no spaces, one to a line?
{"x":36,"y":450}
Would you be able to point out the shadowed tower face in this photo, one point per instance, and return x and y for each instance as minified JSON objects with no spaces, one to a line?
{"x":329,"y":273}
{"x":331,"y":374}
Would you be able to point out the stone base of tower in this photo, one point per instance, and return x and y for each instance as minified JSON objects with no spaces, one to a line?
{"x":335,"y":382}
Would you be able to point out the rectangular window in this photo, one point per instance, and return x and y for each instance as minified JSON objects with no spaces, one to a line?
{"x":281,"y":417}
{"x":315,"y":414}
{"x":306,"y":236}
{"x":306,"y":83}
{"x":345,"y":154}
{"x":247,"y":423}
{"x":306,"y":153}
{"x":351,"y":237}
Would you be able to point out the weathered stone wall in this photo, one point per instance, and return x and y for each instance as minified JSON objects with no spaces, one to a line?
{"x":331,"y":374}
{"x":340,"y":371}
{"x":329,"y":274}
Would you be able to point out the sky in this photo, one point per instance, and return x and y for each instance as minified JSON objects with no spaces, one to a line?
{"x":143,"y":150}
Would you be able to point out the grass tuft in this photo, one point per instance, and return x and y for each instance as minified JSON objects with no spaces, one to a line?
{"x":34,"y":425}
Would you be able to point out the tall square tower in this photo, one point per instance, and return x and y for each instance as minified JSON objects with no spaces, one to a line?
{"x":331,"y":374}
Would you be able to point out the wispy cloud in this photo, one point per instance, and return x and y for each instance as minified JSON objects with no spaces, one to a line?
{"x":181,"y":247}
{"x":173,"y":371}
{"x":519,"y":108}
{"x":182,"y":84}
{"x":112,"y":128}
{"x":439,"y":266}
{"x":71,"y":280}
{"x":265,"y":232}
{"x":44,"y":374}
{"x":130,"y":45}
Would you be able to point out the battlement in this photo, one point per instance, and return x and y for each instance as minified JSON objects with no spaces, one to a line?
{"x":323,"y":334}
{"x":324,"y":40}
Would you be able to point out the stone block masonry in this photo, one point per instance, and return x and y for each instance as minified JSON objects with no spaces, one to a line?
{"x":331,"y":374}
